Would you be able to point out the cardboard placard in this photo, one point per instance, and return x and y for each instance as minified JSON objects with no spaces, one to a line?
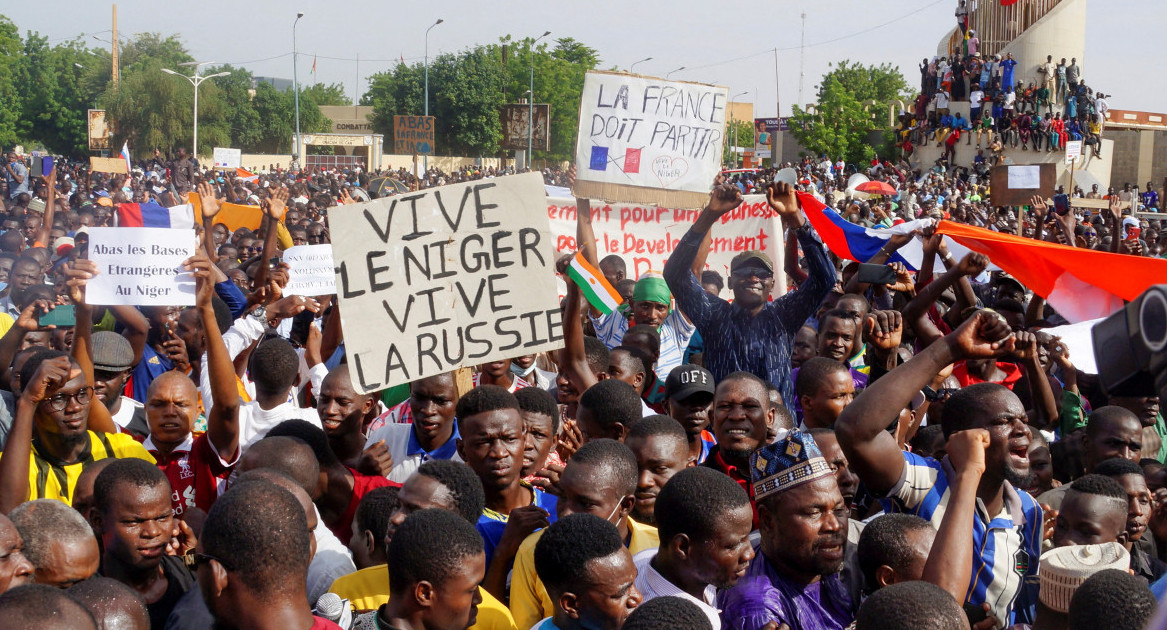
{"x":444,"y":278}
{"x":645,"y":236}
{"x":515,"y":127}
{"x":647,"y":140}
{"x":1016,"y":184}
{"x":139,"y":266}
{"x":413,"y":134}
{"x":311,"y":271}
{"x":115,"y":165}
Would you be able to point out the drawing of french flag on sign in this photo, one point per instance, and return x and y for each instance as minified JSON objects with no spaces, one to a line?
{"x":153,"y":215}
{"x":632,"y":160}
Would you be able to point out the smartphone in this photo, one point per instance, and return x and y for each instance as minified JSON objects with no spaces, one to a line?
{"x":42,"y":165}
{"x":876,"y":274}
{"x":1132,"y":234}
{"x":1061,"y":204}
{"x":60,"y":316}
{"x":300,"y":324}
{"x":273,"y":262}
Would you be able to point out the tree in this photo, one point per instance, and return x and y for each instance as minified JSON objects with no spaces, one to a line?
{"x":852,"y":102}
{"x":328,"y":94}
{"x":10,"y":97}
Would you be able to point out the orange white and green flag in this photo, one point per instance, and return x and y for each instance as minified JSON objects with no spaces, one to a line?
{"x":593,"y":284}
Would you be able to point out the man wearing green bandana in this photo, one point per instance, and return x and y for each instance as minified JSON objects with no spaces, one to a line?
{"x":650,"y":304}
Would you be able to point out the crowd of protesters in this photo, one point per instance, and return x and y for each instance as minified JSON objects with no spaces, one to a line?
{"x":916,"y":454}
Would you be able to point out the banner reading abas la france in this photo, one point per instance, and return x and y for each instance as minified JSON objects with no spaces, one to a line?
{"x":645,"y":236}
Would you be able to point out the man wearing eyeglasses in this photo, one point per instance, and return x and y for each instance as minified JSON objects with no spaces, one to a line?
{"x":751,"y":333}
{"x":50,"y":441}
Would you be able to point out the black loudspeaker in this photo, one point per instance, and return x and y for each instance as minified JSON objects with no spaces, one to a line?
{"x":1129,"y":346}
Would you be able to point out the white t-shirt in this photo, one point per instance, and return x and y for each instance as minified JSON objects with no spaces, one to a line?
{"x":255,"y":422}
{"x":126,"y":411}
{"x":974,"y":99}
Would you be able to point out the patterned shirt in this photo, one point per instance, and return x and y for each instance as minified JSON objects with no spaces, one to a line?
{"x":736,"y":340}
{"x":196,"y":472}
{"x":675,"y":333}
{"x":1006,"y":547}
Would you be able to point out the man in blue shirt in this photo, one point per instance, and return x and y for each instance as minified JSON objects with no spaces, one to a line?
{"x":16,"y":175}
{"x":751,"y":333}
{"x":1007,"y":530}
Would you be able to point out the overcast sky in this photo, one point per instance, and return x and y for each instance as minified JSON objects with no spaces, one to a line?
{"x":727,"y":42}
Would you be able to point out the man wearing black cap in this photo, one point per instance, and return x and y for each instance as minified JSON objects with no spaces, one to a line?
{"x":750,"y":334}
{"x":688,"y":399}
{"x":113,"y":358}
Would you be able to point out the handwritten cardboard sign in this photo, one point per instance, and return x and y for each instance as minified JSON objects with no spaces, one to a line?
{"x":413,"y":134}
{"x":141,"y":266}
{"x":311,"y":271}
{"x":448,"y":277}
{"x":646,"y":140}
{"x":645,"y":236}
{"x":108,"y":165}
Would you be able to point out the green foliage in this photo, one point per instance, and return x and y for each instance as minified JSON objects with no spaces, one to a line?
{"x":467,"y":91}
{"x":853,"y":100}
{"x":10,"y":97}
{"x":327,"y":94}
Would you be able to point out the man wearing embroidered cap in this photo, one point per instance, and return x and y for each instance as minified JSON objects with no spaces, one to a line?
{"x":794,"y":581}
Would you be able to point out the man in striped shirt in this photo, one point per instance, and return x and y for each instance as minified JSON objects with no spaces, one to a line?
{"x":1007,"y":532}
{"x":750,"y":334}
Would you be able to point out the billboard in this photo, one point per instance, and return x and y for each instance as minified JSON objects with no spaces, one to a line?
{"x":514,"y":126}
{"x":98,"y":131}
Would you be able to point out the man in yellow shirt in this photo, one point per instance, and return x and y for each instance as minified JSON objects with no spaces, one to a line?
{"x":442,"y":484}
{"x":50,"y":441}
{"x":600,"y":479}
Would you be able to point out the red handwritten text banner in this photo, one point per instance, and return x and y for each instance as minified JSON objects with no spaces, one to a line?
{"x":645,"y":236}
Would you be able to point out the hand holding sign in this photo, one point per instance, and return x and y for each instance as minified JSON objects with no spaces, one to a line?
{"x":79,"y":272}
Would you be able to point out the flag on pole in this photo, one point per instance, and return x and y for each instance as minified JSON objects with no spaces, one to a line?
{"x":594,"y":285}
{"x":313,"y":66}
{"x":126,"y":154}
{"x":153,"y":215}
{"x":1081,"y":284}
{"x":403,"y":59}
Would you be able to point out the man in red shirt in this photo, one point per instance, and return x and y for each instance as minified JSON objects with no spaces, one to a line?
{"x":197,"y":467}
{"x":741,"y":413}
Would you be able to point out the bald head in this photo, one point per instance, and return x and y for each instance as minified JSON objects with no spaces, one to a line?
{"x":44,"y":608}
{"x":114,"y":605}
{"x":57,"y":541}
{"x":171,"y":378}
{"x":287,"y":455}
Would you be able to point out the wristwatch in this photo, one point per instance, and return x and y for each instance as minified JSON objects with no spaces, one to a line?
{"x":259,"y":314}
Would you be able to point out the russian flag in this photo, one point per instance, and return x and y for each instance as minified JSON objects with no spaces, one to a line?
{"x":1081,"y":284}
{"x":126,"y":155}
{"x":854,"y":242}
{"x":152,"y":215}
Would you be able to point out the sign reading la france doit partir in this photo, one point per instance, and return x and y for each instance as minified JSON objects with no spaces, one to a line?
{"x":646,"y":140}
{"x":443,"y":278}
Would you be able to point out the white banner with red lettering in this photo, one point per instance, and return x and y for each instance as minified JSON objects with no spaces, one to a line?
{"x":645,"y":236}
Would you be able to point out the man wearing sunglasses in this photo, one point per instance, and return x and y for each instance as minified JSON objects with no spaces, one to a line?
{"x":751,"y":333}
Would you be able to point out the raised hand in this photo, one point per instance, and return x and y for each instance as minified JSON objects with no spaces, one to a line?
{"x":1115,"y":210}
{"x":569,"y":440}
{"x":885,"y":330}
{"x":50,"y":376}
{"x":345,"y":198}
{"x":79,"y":272}
{"x":966,"y":450}
{"x":175,"y":349}
{"x":903,"y":278}
{"x":973,"y":264}
{"x":783,"y":199}
{"x":376,"y":460}
{"x":1024,"y":345}
{"x":291,"y":306}
{"x":30,"y":316}
{"x":985,"y":335}
{"x":723,"y":199}
{"x":1040,"y":208}
{"x":208,"y":199}
{"x":277,"y":205}
{"x":203,"y":271}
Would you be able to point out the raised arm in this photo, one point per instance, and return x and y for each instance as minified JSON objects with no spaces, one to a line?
{"x":861,"y":427}
{"x":12,"y":340}
{"x":275,"y":209}
{"x":78,"y":273}
{"x":1040,"y":390}
{"x":223,"y":417}
{"x":949,"y":564}
{"x":49,"y":377}
{"x":42,"y":237}
{"x":916,"y":311}
{"x":573,"y":359}
{"x":691,"y":299}
{"x":210,"y":206}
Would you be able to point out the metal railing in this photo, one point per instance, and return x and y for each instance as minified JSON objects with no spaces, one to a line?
{"x":997,"y":26}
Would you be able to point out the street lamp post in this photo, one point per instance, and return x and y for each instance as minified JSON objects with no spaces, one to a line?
{"x":425,"y":158}
{"x":735,"y":126}
{"x":670,"y":72}
{"x":296,"y":87}
{"x":630,"y":68}
{"x":196,"y":81}
{"x":531,"y":106}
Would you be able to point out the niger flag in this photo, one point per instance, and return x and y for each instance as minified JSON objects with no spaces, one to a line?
{"x":1082,"y":284}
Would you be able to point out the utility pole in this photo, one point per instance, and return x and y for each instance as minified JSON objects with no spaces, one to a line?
{"x":114,"y":51}
{"x":802,"y":60}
